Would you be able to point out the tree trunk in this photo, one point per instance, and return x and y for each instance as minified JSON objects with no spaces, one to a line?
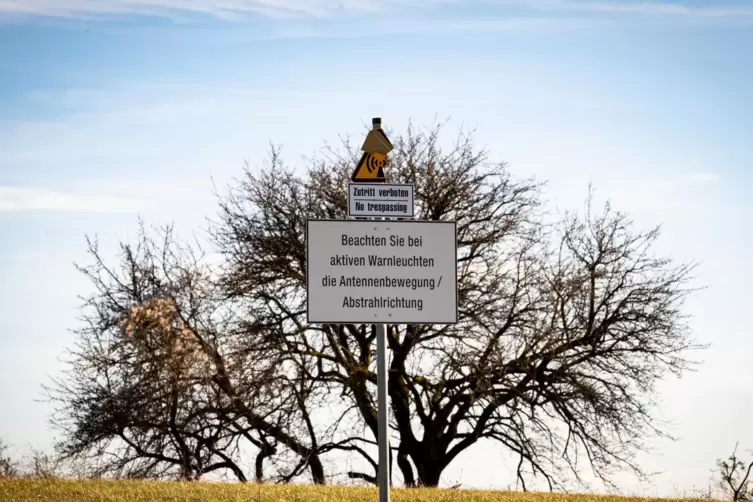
{"x":259,"y":466}
{"x":317,"y":470}
{"x":404,"y":464}
{"x":429,"y":474}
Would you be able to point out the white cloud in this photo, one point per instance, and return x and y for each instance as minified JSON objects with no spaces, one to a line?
{"x":234,"y":10}
{"x":380,"y":28}
{"x":702,"y":178}
{"x":115,"y":194}
{"x":227,"y":9}
{"x":711,"y":9}
{"x":17,"y":199}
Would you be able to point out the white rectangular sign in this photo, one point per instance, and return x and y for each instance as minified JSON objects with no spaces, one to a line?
{"x":395,"y":272}
{"x":377,"y":200}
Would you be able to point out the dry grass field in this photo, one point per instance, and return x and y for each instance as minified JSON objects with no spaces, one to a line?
{"x":137,"y":491}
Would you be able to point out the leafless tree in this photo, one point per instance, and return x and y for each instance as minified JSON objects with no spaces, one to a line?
{"x":35,"y":464}
{"x":8,"y":468}
{"x":734,"y":474}
{"x":159,"y":384}
{"x":44,"y":465}
{"x":564,"y":330}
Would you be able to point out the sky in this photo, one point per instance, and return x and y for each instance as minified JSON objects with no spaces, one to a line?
{"x":111,"y":110}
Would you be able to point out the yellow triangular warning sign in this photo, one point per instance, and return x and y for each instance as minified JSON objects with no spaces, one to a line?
{"x":371,"y":168}
{"x":376,"y":141}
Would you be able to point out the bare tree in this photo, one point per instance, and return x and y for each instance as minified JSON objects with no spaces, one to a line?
{"x":35,"y":464}
{"x":43,"y":465}
{"x":159,"y":385}
{"x":8,"y":468}
{"x":564,"y":330}
{"x":734,"y":476}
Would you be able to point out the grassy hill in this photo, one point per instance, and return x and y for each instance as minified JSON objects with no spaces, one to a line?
{"x":138,"y":491}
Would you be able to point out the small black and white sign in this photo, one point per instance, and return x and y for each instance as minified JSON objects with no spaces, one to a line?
{"x":380,"y":200}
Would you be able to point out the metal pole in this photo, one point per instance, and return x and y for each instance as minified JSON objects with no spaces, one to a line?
{"x":383,"y":427}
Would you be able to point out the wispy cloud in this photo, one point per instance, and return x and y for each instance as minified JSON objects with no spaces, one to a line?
{"x":701,"y":178}
{"x":426,"y":27}
{"x":235,"y":10}
{"x":223,"y":9}
{"x":658,"y":8}
{"x":140,"y":193}
{"x":20,"y":199}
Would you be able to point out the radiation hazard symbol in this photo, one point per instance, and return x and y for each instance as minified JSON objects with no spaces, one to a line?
{"x":371,"y":168}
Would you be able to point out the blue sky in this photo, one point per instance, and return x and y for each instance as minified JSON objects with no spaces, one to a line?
{"x":115,"y":108}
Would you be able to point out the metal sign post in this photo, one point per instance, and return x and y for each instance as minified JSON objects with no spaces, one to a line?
{"x":383,"y":437}
{"x":380,"y":143}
